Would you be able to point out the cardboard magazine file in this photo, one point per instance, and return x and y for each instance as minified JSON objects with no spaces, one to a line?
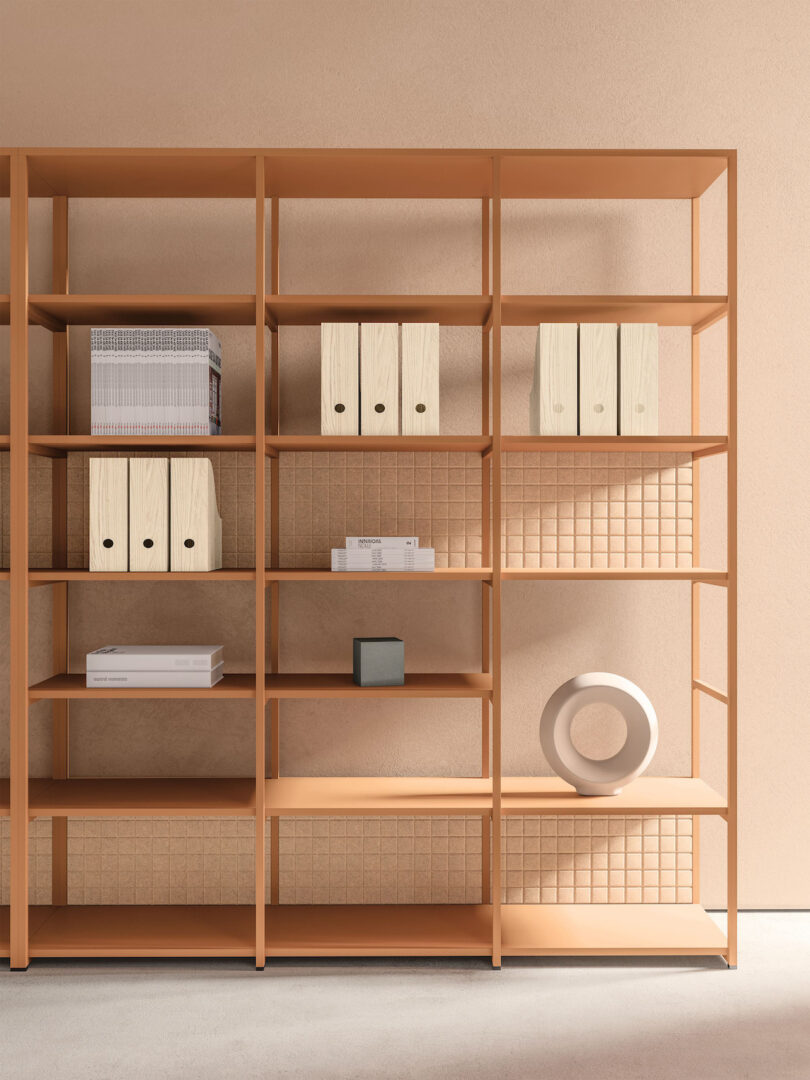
{"x":195,"y":525}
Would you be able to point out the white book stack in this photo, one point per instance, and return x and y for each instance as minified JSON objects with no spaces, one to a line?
{"x":383,"y":554}
{"x":155,"y":382}
{"x":162,"y":666}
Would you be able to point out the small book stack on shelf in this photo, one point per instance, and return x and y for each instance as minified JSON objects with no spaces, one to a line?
{"x":164,"y":666}
{"x":392,"y":554}
{"x":155,"y":382}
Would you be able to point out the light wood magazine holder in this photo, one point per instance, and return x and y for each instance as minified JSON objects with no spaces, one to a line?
{"x":269,"y":929}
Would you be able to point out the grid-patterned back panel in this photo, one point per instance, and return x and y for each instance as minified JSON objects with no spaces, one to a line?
{"x":352,"y":860}
{"x":324,"y":498}
{"x":572,"y":510}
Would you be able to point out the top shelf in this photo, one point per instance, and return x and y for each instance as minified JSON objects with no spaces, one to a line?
{"x":370,"y":173}
{"x":55,"y":311}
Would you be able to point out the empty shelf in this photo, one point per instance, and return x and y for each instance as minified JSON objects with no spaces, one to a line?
{"x":182,"y":795}
{"x":609,"y":930}
{"x":141,"y":930}
{"x":379,"y":930}
{"x":378,"y":795}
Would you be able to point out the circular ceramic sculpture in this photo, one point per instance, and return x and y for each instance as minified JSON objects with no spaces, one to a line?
{"x":587,"y":775}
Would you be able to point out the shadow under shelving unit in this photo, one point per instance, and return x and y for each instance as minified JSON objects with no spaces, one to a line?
{"x":267,"y":928}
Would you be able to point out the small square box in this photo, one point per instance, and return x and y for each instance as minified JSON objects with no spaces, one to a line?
{"x":379,"y":661}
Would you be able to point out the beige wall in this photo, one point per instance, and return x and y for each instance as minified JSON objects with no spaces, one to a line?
{"x":595,"y":74}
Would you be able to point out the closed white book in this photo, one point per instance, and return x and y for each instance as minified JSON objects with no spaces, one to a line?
{"x":108,"y":520}
{"x":340,"y":373}
{"x":195,"y":526}
{"x":155,"y":657}
{"x":148,"y":514}
{"x":379,"y":379}
{"x":553,"y":400}
{"x":598,"y":375}
{"x":178,"y":680}
{"x":422,"y":560}
{"x":420,"y":378}
{"x":638,"y":379}
{"x":365,"y":543}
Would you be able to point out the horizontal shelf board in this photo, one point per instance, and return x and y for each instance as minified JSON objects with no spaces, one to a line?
{"x":610,"y":174}
{"x":341,"y":685}
{"x":143,"y":309}
{"x":467,"y":444}
{"x":5,"y":309}
{"x":699,"y":445}
{"x":5,"y":930}
{"x":380,"y":174}
{"x":646,"y":795}
{"x":664,"y":310}
{"x":142,"y":930}
{"x":449,"y":310}
{"x":69,"y":574}
{"x":5,"y":575}
{"x":142,"y":173}
{"x":181,"y":795}
{"x":371,"y":173}
{"x":452,"y":573}
{"x":5,"y":442}
{"x":377,"y":795}
{"x":73,"y":686}
{"x":609,"y":930}
{"x":614,"y":573}
{"x":379,"y":930}
{"x":61,"y":444}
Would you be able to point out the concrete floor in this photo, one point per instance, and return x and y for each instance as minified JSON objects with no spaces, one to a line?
{"x":381,"y":1020}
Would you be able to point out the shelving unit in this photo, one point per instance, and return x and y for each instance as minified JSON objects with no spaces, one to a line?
{"x":268,"y":928}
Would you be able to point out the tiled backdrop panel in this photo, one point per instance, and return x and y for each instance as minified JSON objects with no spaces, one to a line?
{"x":571,"y":509}
{"x":388,"y":860}
{"x":559,"y":510}
{"x":325,"y":497}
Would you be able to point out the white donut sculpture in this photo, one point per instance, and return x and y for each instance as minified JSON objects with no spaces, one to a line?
{"x":588,"y":775}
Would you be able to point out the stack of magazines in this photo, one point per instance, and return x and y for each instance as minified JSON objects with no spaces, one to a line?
{"x":155,"y":382}
{"x":392,"y":554}
{"x":177,"y":666}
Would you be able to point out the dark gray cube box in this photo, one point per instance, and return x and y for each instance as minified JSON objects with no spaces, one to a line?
{"x":379,"y":661}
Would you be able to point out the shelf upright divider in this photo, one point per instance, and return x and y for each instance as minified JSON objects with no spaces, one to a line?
{"x":497,"y":561}
{"x":258,"y":560}
{"x":60,"y":345}
{"x":18,"y":646}
{"x":695,"y":586}
{"x":731,"y":591}
{"x":486,"y":556}
{"x":275,"y":429}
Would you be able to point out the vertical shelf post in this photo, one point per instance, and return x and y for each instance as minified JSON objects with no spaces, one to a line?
{"x":695,"y":588}
{"x":731,"y":591}
{"x":259,"y":525}
{"x":275,"y":428}
{"x":497,"y":561}
{"x":18,"y":646}
{"x":60,"y":613}
{"x":486,"y":556}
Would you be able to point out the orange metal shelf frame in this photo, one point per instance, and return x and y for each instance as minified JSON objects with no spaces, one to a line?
{"x":268,"y":928}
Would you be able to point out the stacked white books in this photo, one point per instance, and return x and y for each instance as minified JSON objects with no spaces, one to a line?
{"x":155,"y":382}
{"x":163,"y":666}
{"x":392,"y":554}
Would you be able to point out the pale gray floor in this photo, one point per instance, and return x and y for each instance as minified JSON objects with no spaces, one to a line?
{"x":381,"y":1020}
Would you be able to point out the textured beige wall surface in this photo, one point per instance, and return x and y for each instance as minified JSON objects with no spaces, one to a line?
{"x":533,"y":74}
